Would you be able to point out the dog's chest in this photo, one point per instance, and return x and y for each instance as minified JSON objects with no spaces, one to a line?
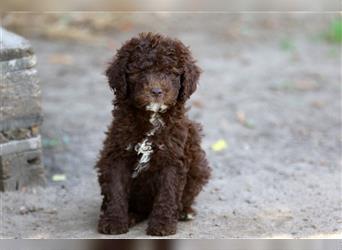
{"x":148,"y":145}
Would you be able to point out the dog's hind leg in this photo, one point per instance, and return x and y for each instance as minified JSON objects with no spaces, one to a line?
{"x":198,"y":174}
{"x":195,"y":181}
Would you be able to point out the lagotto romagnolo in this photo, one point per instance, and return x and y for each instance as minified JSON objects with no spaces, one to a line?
{"x":152,"y":164}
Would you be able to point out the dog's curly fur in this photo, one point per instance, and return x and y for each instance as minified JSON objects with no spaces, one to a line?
{"x":178,"y":168}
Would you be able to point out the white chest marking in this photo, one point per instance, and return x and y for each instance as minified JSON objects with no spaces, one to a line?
{"x":144,"y":148}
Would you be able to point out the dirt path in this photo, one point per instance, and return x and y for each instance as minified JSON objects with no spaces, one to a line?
{"x":273,"y":97}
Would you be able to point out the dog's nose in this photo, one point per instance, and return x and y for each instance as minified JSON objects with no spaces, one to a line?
{"x":156,"y":91}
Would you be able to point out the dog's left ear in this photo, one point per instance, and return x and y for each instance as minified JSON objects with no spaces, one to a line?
{"x":116,"y":74}
{"x":189,"y":79}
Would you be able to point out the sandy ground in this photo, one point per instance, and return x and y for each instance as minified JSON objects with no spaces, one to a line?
{"x":270,"y":90}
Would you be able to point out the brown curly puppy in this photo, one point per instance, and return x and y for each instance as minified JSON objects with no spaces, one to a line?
{"x":152,"y":164}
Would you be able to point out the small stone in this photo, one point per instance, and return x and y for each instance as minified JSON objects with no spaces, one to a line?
{"x":23,"y":210}
{"x":51,"y":211}
{"x":220,"y":198}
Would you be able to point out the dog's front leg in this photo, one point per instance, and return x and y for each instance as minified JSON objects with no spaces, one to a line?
{"x":164,"y":217}
{"x":115,"y":183}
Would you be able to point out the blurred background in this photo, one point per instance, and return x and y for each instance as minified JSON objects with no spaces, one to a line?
{"x":174,"y":5}
{"x":269,"y":100}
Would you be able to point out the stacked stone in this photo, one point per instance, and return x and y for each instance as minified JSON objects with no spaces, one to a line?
{"x":20,"y":115}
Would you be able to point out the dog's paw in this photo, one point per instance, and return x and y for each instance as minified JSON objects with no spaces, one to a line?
{"x":187,"y":215}
{"x":162,"y":230}
{"x":184,"y":216}
{"x":109,"y":226}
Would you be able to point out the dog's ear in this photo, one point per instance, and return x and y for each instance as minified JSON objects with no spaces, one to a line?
{"x":189,"y":79}
{"x":116,"y":74}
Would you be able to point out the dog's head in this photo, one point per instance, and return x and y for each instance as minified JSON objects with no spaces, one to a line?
{"x":152,"y":69}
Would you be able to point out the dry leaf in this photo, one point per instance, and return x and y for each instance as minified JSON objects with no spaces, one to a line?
{"x":219,"y":145}
{"x":317,"y":104}
{"x":61,"y":59}
{"x":59,"y":177}
{"x":241,"y":117}
{"x":305,"y":85}
{"x":197,"y":104}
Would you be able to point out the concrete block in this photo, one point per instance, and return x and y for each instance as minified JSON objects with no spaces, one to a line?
{"x":21,"y":164}
{"x":20,"y":115}
{"x":20,"y":95}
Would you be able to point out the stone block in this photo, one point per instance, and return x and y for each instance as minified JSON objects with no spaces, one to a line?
{"x":20,"y":95}
{"x":21,"y":164}
{"x":20,"y":115}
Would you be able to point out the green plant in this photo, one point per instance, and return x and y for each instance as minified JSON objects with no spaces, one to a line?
{"x":334,"y":33}
{"x":287,"y":45}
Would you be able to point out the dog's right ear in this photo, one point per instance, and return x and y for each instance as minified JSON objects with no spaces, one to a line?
{"x":116,"y":74}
